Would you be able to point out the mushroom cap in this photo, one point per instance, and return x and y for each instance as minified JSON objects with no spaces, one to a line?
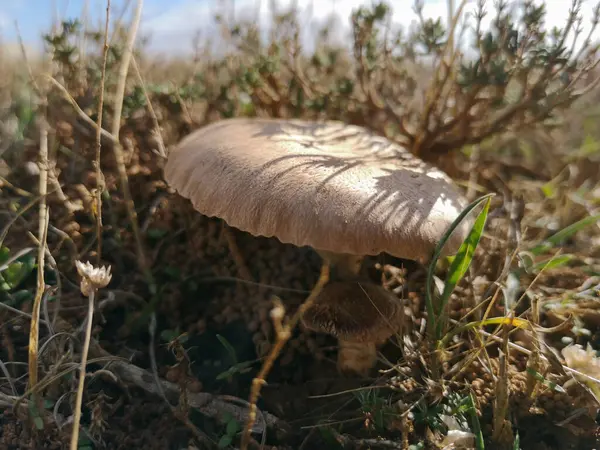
{"x":354,"y":311}
{"x":327,"y":185}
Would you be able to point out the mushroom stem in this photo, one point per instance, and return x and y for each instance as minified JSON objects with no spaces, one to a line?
{"x":360,"y":315}
{"x":357,"y":357}
{"x":346,"y":266}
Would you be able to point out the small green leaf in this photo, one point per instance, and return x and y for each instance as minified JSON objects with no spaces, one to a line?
{"x":4,"y":254}
{"x":228,"y":347}
{"x":38,"y":422}
{"x":169,"y":335}
{"x":225,"y":441}
{"x":34,"y":413}
{"x":233,"y":427}
{"x":549,"y":190}
{"x":242,"y":367}
{"x":14,"y":270}
{"x":156,"y":233}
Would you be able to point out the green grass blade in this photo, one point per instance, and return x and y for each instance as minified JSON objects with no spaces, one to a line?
{"x":552,"y":263}
{"x":548,"y":383}
{"x":517,"y":442}
{"x":475,"y":425}
{"x":563,"y":234}
{"x":429,"y":299}
{"x":461,"y":262}
{"x":230,"y":350}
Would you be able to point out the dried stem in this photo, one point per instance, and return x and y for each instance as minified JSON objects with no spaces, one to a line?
{"x":82,"y":371}
{"x":99,"y":176}
{"x":502,"y":428}
{"x":534,"y":362}
{"x":283,"y":334}
{"x":118,"y":149}
{"x":42,"y":233}
{"x":124,"y":69}
{"x":80,"y":112}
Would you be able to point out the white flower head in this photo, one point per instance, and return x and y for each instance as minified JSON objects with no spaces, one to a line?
{"x":585,"y":361}
{"x":92,"y":277}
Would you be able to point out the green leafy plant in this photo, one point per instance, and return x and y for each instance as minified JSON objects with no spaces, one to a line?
{"x":14,"y":269}
{"x":436,"y":306}
{"x":377,"y":410}
{"x":236,"y":366}
{"x":232,"y":428}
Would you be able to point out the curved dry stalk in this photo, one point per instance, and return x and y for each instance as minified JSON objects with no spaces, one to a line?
{"x":80,"y":112}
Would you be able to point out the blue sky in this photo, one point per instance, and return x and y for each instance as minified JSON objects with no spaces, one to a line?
{"x":172,"y":24}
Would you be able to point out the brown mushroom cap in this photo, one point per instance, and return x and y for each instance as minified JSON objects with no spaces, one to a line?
{"x":327,"y":185}
{"x":353,"y":311}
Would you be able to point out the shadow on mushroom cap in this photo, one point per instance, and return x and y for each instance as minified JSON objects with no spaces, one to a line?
{"x":327,"y":185}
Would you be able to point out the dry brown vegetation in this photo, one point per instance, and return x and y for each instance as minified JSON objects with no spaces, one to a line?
{"x":184,"y":324}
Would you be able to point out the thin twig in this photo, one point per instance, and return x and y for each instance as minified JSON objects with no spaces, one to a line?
{"x":80,"y":112}
{"x":162,"y":152}
{"x":283,"y":334}
{"x":100,"y":185}
{"x":124,"y":69}
{"x":118,"y":149}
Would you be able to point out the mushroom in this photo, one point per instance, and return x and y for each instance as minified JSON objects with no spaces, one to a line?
{"x":360,"y":315}
{"x":340,"y":189}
